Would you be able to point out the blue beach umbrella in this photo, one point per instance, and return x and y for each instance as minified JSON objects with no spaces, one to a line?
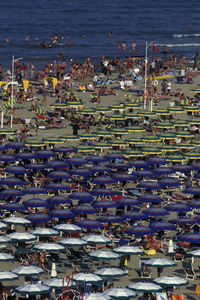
{"x":35,"y":166}
{"x":8,"y":158}
{"x":194,"y":190}
{"x":157,"y":161}
{"x":144,"y":173}
{"x":25,"y":155}
{"x":119,"y":166}
{"x":113,"y":156}
{"x":196,"y":166}
{"x":38,"y":218}
{"x":139,"y":230}
{"x":179,"y":207}
{"x":81,"y":172}
{"x":56,"y":164}
{"x":124,"y":177}
{"x":13,"y":206}
{"x":183,"y":221}
{"x":11,"y":181}
{"x":83,"y":196}
{"x":105,"y":204}
{"x":110,"y":219}
{"x":11,"y":193}
{"x":15,"y":145}
{"x":134,"y":215}
{"x":103,"y":180}
{"x":64,"y":149}
{"x":169,"y":182}
{"x":45,"y":154}
{"x":156,"y":212}
{"x":156,"y":226}
{"x":90,"y":224}
{"x":190,"y":237}
{"x":194,"y":204}
{"x":97,"y":159}
{"x":150,"y":198}
{"x":182,"y":168}
{"x":84,"y":209}
{"x":77,"y":161}
{"x":34,"y":190}
{"x":18,"y":170}
{"x":104,"y":192}
{"x":58,"y":199}
{"x":128,"y":201}
{"x":100,"y":169}
{"x":139,"y":164}
{"x":56,"y":187}
{"x":59,"y":175}
{"x":61,"y":213}
{"x":35,"y":202}
{"x":163,"y":170}
{"x":149,"y":185}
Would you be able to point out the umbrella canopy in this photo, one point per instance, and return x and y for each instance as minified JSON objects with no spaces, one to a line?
{"x":56,"y":187}
{"x":96,"y":239}
{"x":8,"y":276}
{"x":57,"y":283}
{"x":183,"y":221}
{"x":13,"y":206}
{"x":190,"y":237}
{"x":195,"y":253}
{"x":128,"y":250}
{"x":110,"y":272}
{"x":45,"y":232}
{"x":45,"y":154}
{"x":139,"y":230}
{"x":11,"y":181}
{"x":61,"y":213}
{"x":139,"y":163}
{"x":8,"y":158}
{"x":87,"y":278}
{"x":135,"y":215}
{"x":156,"y":226}
{"x":163,"y":170}
{"x":120,"y":293}
{"x":77,"y":161}
{"x":35,"y":166}
{"x":169,"y":182}
{"x":157,"y":161}
{"x":11,"y":193}
{"x":96,"y":159}
{"x":21,"y":237}
{"x":81,"y":172}
{"x":3,"y":226}
{"x":110,"y":219}
{"x":4,"y":240}
{"x":39,"y":217}
{"x":73,"y":242}
{"x":18,"y":170}
{"x":6,"y":257}
{"x":59,"y":175}
{"x":124,"y":177}
{"x":28,"y":271}
{"x":84,"y":196}
{"x":56,"y":164}
{"x":35,"y":202}
{"x":89,"y":224}
{"x":179,"y":207}
{"x":149,"y":185}
{"x":68,"y":228}
{"x":84,"y":209}
{"x":104,"y":204}
{"x":156,"y":211}
{"x":104,"y":255}
{"x":33,"y":190}
{"x":159,"y":263}
{"x":150,"y":198}
{"x":51,"y":247}
{"x":15,"y":145}
{"x":195,"y":190}
{"x":58,"y":199}
{"x":104,"y":192}
{"x":103,"y":180}
{"x":113,"y":156}
{"x":128,"y":201}
{"x":17,"y":221}
{"x":171,"y":281}
{"x":145,"y":287}
{"x":32,"y":289}
{"x":96,"y":296}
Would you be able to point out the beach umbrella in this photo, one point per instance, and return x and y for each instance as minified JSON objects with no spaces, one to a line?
{"x":186,"y":147}
{"x":83,"y":196}
{"x":134,"y":215}
{"x":61,"y":213}
{"x":120,"y":293}
{"x":57,"y":283}
{"x":100,"y":169}
{"x":17,"y":221}
{"x":179,"y":207}
{"x":15,"y":145}
{"x":110,"y":273}
{"x":103,"y":180}
{"x":183,"y":221}
{"x":7,"y":276}
{"x":21,"y":237}
{"x":195,"y":253}
{"x":128,"y":201}
{"x":123,"y":177}
{"x":159,"y":263}
{"x":110,"y":219}
{"x":145,"y":287}
{"x":4,"y":240}
{"x":6,"y":131}
{"x":168,"y":148}
{"x":87,"y":278}
{"x":3,"y":226}
{"x":176,"y":158}
{"x":87,"y":136}
{"x":38,"y":218}
{"x":163,"y":170}
{"x":195,"y":166}
{"x":59,"y":175}
{"x":69,"y":137}
{"x":96,"y":296}
{"x":133,"y":153}
{"x":139,"y":164}
{"x":25,"y":156}
{"x":50,"y":247}
{"x":72,"y":242}
{"x":128,"y":250}
{"x":104,"y":255}
{"x":68,"y":228}
{"x":193,"y":190}
{"x":151,"y":139}
{"x":12,"y":181}
{"x":102,"y":146}
{"x":13,"y":206}
{"x":169,"y":182}
{"x":156,"y":212}
{"x":156,"y":226}
{"x":28,"y":271}
{"x":36,"y":166}
{"x":84,"y":209}
{"x":182,"y":168}
{"x":87,"y":111}
{"x":149,"y":185}
{"x":157,"y":161}
{"x":119,"y":166}
{"x":33,"y":190}
{"x":6,"y":257}
{"x":103,"y":133}
{"x":104,"y":204}
{"x":64,"y":149}
{"x":58,"y":199}
{"x":144,"y":173}
{"x":32,"y":289}
{"x":104,"y":192}
{"x":56,"y":164}
{"x":102,"y":109}
{"x":52,"y":140}
{"x":11,"y":193}
{"x":166,"y":125}
{"x":56,"y":187}
{"x":34,"y":143}
{"x":8,"y":158}
{"x":136,"y":142}
{"x":151,"y":151}
{"x":18,"y":170}
{"x":96,"y":239}
{"x":171,"y":280}
{"x":194,"y":204}
{"x":139,"y":230}
{"x":59,"y":105}
{"x":77,"y":161}
{"x":185,"y":134}
{"x":190,"y":237}
{"x":45,"y":154}
{"x":97,"y":159}
{"x":45,"y":232}
{"x":85,"y":148}
{"x":89,"y":224}
{"x":136,"y":129}
{"x":113,"y":156}
{"x":81,"y":172}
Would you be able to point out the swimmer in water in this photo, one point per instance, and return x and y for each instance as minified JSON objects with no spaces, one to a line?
{"x":37,"y":38}
{"x":67,"y":36}
{"x":124,"y":46}
{"x":7,"y":41}
{"x":110,"y":34}
{"x":27,"y":38}
{"x":83,"y":35}
{"x":133,"y":46}
{"x":62,"y":37}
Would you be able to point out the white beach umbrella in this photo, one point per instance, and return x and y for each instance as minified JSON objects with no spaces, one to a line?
{"x":57,"y":283}
{"x":4,"y":276}
{"x":68,"y":228}
{"x":45,"y":232}
{"x":96,"y":296}
{"x":73,"y":242}
{"x":4,"y":240}
{"x":128,"y":250}
{"x":171,"y":281}
{"x":195,"y":253}
{"x":22,"y":237}
{"x":106,"y":255}
{"x":144,"y":287}
{"x":33,"y":289}
{"x":6,"y":257}
{"x":51,"y":247}
{"x":28,"y":271}
{"x":3,"y":226}
{"x":96,"y":239}
{"x":110,"y":272}
{"x":120,"y":293}
{"x":87,"y":278}
{"x":159,"y":263}
{"x":17,"y":221}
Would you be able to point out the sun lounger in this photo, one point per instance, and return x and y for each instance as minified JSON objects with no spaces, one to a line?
{"x":188,"y":269}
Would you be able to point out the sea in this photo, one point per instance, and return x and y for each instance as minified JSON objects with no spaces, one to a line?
{"x":174,"y":23}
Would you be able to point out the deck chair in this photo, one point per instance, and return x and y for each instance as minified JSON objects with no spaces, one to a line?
{"x":188,"y":269}
{"x":161,"y":296}
{"x":178,"y":297}
{"x":145,"y":272}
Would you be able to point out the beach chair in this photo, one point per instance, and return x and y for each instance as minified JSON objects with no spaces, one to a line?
{"x":144,"y":271}
{"x":188,"y":269}
{"x":178,"y":297}
{"x":161,"y":296}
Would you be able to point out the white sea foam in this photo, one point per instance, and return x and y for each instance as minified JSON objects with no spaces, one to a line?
{"x":180,"y":45}
{"x":186,"y":35}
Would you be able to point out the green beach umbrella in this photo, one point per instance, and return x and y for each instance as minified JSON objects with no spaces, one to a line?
{"x":103,"y":133}
{"x":131,"y":116}
{"x":6,"y":131}
{"x":167,"y":136}
{"x":176,"y":158}
{"x":133,"y":154}
{"x":151,"y":151}
{"x":192,"y":155}
{"x":177,"y":110}
{"x":162,"y":112}
{"x":119,"y":131}
{"x":137,"y":142}
{"x":167,"y":148}
{"x":35,"y":143}
{"x":185,"y":134}
{"x":180,"y":123}
{"x":102,"y":109}
{"x":86,"y":136}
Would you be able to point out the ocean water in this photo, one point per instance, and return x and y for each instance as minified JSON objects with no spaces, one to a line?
{"x":171,"y":22}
